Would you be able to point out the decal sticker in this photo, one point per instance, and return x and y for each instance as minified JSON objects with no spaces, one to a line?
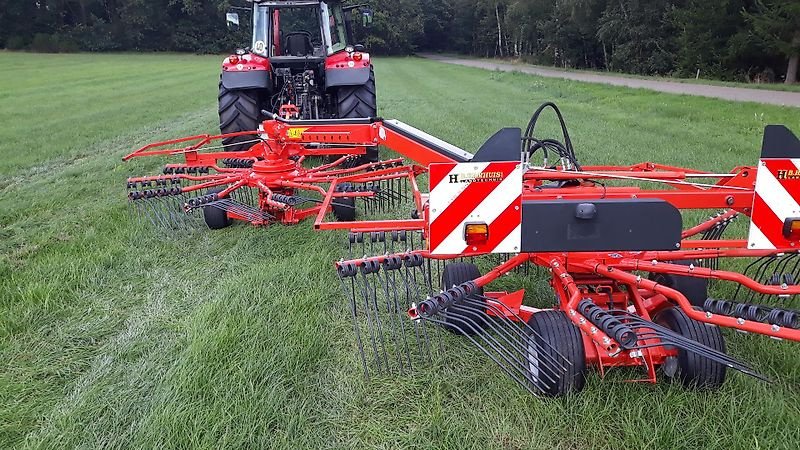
{"x":260,"y":46}
{"x":295,"y":133}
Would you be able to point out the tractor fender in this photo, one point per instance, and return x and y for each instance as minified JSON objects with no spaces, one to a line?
{"x":343,"y":69}
{"x":246,"y":72}
{"x":253,"y":79}
{"x":346,"y":77}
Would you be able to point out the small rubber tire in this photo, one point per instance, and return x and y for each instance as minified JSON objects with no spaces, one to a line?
{"x":216,"y":218}
{"x":472,"y":320}
{"x":557,"y":336}
{"x":344,"y":208}
{"x":693,"y":370}
{"x":239,"y":110}
{"x":695,"y":289}
{"x":359,"y":102}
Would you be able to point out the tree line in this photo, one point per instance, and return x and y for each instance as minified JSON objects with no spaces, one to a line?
{"x":743,"y":40}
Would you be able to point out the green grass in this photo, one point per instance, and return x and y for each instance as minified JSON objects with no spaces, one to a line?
{"x":113,"y":335}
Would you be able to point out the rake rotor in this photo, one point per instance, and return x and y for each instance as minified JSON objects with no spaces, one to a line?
{"x":630,"y":284}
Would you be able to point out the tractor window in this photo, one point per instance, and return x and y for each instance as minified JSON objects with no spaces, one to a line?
{"x":261,"y":29}
{"x":300,"y":31}
{"x":337,"y":29}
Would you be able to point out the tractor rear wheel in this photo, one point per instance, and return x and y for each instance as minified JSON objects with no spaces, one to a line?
{"x":215,"y":217}
{"x":554,"y":334}
{"x":469,"y":318}
{"x":693,"y":370}
{"x":239,"y":110}
{"x":359,"y":102}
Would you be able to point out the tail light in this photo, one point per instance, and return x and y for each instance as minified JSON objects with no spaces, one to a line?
{"x":476,"y":233}
{"x":233,"y":59}
{"x":357,"y":56}
{"x":791,"y":228}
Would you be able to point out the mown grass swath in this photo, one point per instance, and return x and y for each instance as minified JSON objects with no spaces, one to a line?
{"x":114,"y":335}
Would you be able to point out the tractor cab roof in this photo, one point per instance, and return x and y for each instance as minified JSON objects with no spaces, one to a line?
{"x":289,"y":3}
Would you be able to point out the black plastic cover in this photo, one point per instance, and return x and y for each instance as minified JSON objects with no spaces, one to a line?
{"x":505,"y":145}
{"x":346,"y":77}
{"x":613,"y":225}
{"x":779,"y":142}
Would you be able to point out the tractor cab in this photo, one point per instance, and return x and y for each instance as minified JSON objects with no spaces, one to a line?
{"x":302,"y":63}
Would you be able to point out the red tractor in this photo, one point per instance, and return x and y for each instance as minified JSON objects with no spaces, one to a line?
{"x":303,"y":63}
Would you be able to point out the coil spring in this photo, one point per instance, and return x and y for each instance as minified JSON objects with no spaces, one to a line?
{"x":349,"y":187}
{"x":286,"y":199}
{"x":377,"y":236}
{"x":777,"y":279}
{"x":153,"y":193}
{"x":756,"y":313}
{"x":610,"y":325}
{"x":186,"y":169}
{"x":433,"y":305}
{"x":384,"y":165}
{"x":238,"y":163}
{"x":163,"y":182}
{"x":202,"y":200}
{"x":366,"y":267}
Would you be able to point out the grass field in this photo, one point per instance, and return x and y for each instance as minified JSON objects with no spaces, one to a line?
{"x":117,"y":336}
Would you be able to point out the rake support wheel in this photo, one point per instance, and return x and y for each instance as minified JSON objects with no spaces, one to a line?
{"x":556,"y":334}
{"x":466,"y":319}
{"x":693,"y":370}
{"x":344,"y":209}
{"x":216,"y":218}
{"x":694,"y":288}
{"x":238,"y":111}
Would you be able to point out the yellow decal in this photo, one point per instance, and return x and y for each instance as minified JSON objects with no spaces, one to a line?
{"x":295,"y":133}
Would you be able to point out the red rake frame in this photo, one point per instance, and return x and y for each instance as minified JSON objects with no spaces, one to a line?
{"x":615,"y":297}
{"x":273,"y":167}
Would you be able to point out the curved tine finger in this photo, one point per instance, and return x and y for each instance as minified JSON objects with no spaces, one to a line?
{"x":368,"y":315}
{"x":524,"y":339}
{"x":391,"y":277}
{"x":709,"y":353}
{"x":505,"y":353}
{"x":669,"y":337}
{"x":373,"y":290}
{"x":412,"y":293}
{"x":523,"y":382}
{"x":393,"y":317}
{"x":354,"y":316}
{"x":527,"y":327}
{"x":522,"y":347}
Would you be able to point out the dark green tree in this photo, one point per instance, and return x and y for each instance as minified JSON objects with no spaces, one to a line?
{"x":777,"y":24}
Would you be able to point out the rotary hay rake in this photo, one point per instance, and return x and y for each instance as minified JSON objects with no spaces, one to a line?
{"x":630,"y":284}
{"x":283,"y":170}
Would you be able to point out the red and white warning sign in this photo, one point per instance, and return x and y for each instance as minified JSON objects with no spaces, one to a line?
{"x":775,"y":218}
{"x":475,"y":208}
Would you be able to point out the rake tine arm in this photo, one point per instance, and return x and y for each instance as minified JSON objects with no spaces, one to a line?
{"x":702,"y":272}
{"x":329,"y":165}
{"x":302,"y":186}
{"x":181,"y":176}
{"x":214,"y":183}
{"x":709,"y":224}
{"x":681,"y":300}
{"x":147,"y":149}
{"x":502,"y":269}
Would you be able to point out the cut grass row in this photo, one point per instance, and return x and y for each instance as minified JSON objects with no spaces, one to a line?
{"x":113,"y":335}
